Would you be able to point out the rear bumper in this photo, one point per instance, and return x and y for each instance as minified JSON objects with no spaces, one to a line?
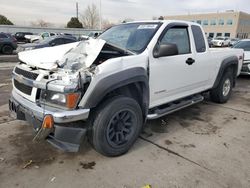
{"x":68,"y":132}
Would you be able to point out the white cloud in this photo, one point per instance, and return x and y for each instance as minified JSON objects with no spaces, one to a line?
{"x":59,"y":12}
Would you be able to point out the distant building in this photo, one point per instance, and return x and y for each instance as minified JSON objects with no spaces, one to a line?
{"x":229,"y":24}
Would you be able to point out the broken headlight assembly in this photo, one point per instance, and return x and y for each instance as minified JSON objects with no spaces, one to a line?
{"x":59,"y":100}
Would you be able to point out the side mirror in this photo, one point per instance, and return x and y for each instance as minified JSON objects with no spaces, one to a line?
{"x":163,"y":50}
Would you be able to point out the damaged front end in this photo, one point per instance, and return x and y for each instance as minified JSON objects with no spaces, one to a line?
{"x":38,"y":94}
{"x":48,"y":85}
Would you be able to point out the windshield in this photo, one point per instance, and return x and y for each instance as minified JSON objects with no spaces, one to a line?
{"x":245,"y":45}
{"x":133,"y":36}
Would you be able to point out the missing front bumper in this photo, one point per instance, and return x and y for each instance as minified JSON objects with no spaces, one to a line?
{"x":66,"y":136}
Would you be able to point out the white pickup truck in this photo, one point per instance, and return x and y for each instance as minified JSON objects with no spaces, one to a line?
{"x":106,"y":88}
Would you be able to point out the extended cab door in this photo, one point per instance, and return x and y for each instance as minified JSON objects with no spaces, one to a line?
{"x":175,"y":76}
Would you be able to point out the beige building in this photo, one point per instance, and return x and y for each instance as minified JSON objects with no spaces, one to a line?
{"x":230,"y":24}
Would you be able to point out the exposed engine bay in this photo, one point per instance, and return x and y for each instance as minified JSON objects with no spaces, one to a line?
{"x":67,"y":68}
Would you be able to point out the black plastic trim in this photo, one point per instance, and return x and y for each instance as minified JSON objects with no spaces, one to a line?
{"x":117,"y":80}
{"x":230,"y":61}
{"x":173,"y":25}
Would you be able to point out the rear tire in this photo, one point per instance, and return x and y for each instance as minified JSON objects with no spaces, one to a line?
{"x":222,"y":92}
{"x":7,"y":49}
{"x":117,"y":124}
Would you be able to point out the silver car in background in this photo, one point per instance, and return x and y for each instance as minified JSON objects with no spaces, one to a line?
{"x":245,"y":45}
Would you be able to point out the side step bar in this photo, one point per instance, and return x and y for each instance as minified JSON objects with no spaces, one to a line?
{"x":174,"y":106}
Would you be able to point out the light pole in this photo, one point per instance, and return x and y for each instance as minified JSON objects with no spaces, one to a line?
{"x":100,"y":27}
{"x":77,"y":10}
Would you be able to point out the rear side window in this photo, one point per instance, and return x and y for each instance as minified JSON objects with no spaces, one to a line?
{"x":178,"y":36}
{"x":198,"y":39}
{"x":45,"y":35}
{"x":3,"y":36}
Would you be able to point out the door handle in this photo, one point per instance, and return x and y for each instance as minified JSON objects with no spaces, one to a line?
{"x":190,"y":61}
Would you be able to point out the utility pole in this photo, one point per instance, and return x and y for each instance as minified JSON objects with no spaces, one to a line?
{"x":100,"y":27}
{"x":77,"y":10}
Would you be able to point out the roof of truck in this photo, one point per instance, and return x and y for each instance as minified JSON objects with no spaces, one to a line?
{"x":164,"y":21}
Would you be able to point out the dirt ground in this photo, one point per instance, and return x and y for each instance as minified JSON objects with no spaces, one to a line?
{"x":206,"y":145}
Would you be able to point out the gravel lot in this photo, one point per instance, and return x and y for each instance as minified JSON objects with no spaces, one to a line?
{"x":206,"y":145}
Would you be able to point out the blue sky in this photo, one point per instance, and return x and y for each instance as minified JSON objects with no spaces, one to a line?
{"x":58,"y":12}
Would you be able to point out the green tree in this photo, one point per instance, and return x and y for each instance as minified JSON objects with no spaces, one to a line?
{"x":5,"y":21}
{"x":161,"y":18}
{"x":74,"y":23}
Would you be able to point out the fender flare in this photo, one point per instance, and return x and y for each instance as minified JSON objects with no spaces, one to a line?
{"x":230,"y":61}
{"x":118,"y":80}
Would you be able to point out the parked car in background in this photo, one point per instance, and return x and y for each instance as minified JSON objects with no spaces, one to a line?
{"x":221,"y":41}
{"x":20,"y":36}
{"x":68,"y":35}
{"x":233,"y":41}
{"x":95,"y":34}
{"x":209,"y":40}
{"x":41,"y":36}
{"x":48,"y":42}
{"x":8,"y":43}
{"x":90,"y":35}
{"x":245,"y":45}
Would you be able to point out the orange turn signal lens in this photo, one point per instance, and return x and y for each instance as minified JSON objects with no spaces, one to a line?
{"x":48,"y":122}
{"x":72,"y":99}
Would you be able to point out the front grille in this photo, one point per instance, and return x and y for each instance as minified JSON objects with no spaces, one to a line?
{"x":26,"y":74}
{"x":22,"y":87}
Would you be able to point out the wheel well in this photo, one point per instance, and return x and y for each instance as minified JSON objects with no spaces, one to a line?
{"x":137,"y":91}
{"x":6,"y":44}
{"x":233,"y":68}
{"x":229,"y":64}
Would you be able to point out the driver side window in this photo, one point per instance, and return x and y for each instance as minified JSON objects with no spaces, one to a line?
{"x":45,"y":35}
{"x":178,"y":36}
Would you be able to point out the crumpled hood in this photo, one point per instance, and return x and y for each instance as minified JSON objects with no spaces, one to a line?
{"x":48,"y":58}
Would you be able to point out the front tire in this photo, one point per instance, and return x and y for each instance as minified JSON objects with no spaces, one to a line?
{"x":117,"y":124}
{"x":222,"y":92}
